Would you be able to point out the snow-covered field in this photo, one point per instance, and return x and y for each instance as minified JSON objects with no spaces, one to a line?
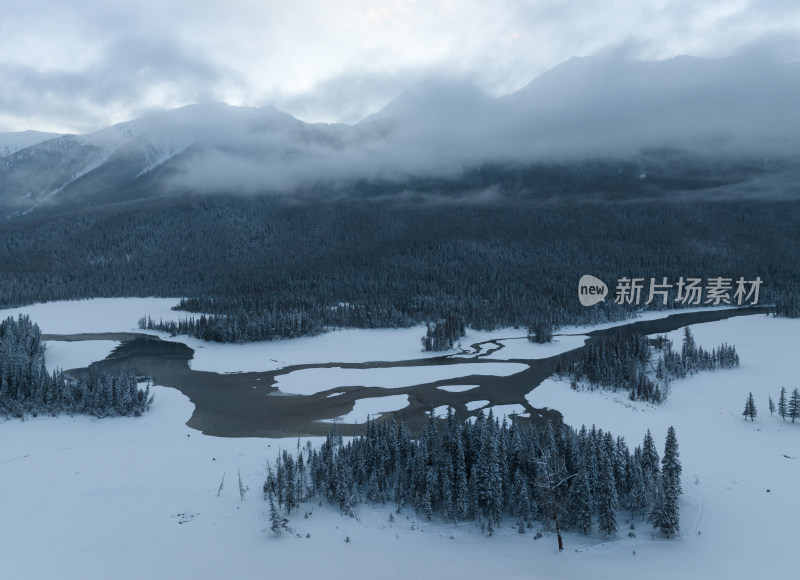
{"x":472,"y":405}
{"x":457,"y":388}
{"x":138,"y":497}
{"x":70,"y":355}
{"x":741,"y":505}
{"x":346,"y":346}
{"x":372,"y":408}
{"x":96,"y":315}
{"x":508,"y":410}
{"x":311,"y":381}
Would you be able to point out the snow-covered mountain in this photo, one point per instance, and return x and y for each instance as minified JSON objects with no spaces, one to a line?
{"x":730,"y":106}
{"x":609,"y":107}
{"x":586,"y":108}
{"x":12,"y":142}
{"x":106,"y":165}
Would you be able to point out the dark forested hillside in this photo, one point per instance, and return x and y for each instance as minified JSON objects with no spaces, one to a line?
{"x":374,"y":264}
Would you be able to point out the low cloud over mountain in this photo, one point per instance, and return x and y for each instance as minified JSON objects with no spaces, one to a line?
{"x":589,"y":109}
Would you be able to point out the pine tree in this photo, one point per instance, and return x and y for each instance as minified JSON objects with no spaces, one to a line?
{"x":520,"y":501}
{"x":782,"y":408}
{"x":650,"y":470}
{"x":637,"y":499}
{"x":749,"y":408}
{"x":274,"y":516}
{"x":794,"y":405}
{"x":771,"y":406}
{"x":461,"y":488}
{"x":490,"y":482}
{"x":689,"y":351}
{"x":607,"y":499}
{"x":667,"y":514}
{"x":580,"y":503}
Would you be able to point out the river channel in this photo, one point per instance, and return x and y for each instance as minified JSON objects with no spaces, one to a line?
{"x":250,"y":405}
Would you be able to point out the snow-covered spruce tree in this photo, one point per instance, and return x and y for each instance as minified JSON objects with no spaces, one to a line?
{"x":462,"y":491}
{"x":275,"y":520}
{"x":793,"y":408}
{"x":607,"y":499}
{"x":650,"y":469}
{"x":638,"y":497}
{"x":782,"y":407}
{"x":750,"y":408}
{"x":540,"y":331}
{"x":581,"y":502}
{"x":444,"y":333}
{"x":771,"y":404}
{"x":489,"y":485}
{"x":689,"y":351}
{"x":520,"y":501}
{"x":666,"y":513}
{"x":447,"y":479}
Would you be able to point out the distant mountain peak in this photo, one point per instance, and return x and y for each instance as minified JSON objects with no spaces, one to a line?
{"x":10,"y":143}
{"x":601,"y":107}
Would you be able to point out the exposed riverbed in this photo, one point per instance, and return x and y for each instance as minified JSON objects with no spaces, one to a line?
{"x":250,"y":404}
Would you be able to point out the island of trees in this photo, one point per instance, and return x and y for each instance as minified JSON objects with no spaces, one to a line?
{"x":26,"y":387}
{"x":489,"y":472}
{"x":626,"y":362}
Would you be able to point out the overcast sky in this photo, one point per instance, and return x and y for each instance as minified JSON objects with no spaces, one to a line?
{"x":79,"y":65}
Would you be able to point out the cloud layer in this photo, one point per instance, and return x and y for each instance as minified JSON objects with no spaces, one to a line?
{"x":83,"y":65}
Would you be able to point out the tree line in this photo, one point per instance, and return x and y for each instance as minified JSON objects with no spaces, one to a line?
{"x":26,"y":387}
{"x":624,"y":362}
{"x":487,"y":471}
{"x":239,"y":326}
{"x":787,"y":406}
{"x":259,"y":267}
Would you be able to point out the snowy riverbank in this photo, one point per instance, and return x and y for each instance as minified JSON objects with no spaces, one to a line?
{"x":137,"y":497}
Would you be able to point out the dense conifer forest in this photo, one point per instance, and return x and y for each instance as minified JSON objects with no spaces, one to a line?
{"x":26,"y":388}
{"x":264,"y":267}
{"x":490,"y":472}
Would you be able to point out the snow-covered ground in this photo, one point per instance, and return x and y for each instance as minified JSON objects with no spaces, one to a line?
{"x":138,"y":497}
{"x":501,"y":411}
{"x":96,"y":315}
{"x":457,"y":388}
{"x":372,"y":408}
{"x":60,"y":354}
{"x":740,"y":504}
{"x":311,"y":381}
{"x":440,"y":411}
{"x":472,"y":405}
{"x":346,"y":346}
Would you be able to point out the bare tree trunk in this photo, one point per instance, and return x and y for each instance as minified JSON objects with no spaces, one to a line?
{"x":560,"y":541}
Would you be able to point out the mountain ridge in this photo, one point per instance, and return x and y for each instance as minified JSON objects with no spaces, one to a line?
{"x":584,"y":109}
